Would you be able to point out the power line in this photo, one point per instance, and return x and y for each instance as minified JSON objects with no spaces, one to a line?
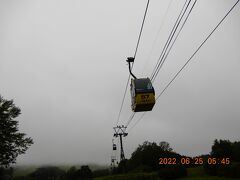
{"x":135,"y":53}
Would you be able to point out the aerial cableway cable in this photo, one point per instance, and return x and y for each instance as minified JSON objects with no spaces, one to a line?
{"x":130,"y":119}
{"x":179,"y":19}
{"x":169,"y":40}
{"x":158,"y":32}
{"x":140,"y":34}
{"x":139,"y":119}
{"x":190,"y":58}
{"x":167,"y":52}
{"x":196,"y":50}
{"x":135,"y":54}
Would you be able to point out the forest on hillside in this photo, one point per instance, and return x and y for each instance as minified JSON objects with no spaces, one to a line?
{"x":156,"y":160}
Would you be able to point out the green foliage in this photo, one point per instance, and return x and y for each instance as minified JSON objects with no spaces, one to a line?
{"x":84,"y":173}
{"x":52,"y":173}
{"x":165,"y":146}
{"x":12,"y":142}
{"x":23,"y":170}
{"x":172,"y":172}
{"x":75,"y":174}
{"x":230,"y":171}
{"x":210,"y":169}
{"x":122,"y":166}
{"x":222,"y":148}
{"x":196,"y":172}
{"x":71,"y":173}
{"x":148,"y":155}
{"x":130,"y":176}
{"x":227,"y":149}
{"x":101,"y":172}
{"x":142,"y":168}
{"x":6,"y":173}
{"x":56,"y":173}
{"x":236,"y":151}
{"x":23,"y":178}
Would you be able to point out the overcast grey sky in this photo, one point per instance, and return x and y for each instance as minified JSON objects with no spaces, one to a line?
{"x":63,"y":63}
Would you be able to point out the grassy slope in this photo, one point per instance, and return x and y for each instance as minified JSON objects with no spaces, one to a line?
{"x":193,"y":174}
{"x":23,"y":170}
{"x":135,"y":176}
{"x":198,"y":174}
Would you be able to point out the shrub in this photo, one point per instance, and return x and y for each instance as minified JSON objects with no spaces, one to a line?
{"x":84,"y":173}
{"x":101,"y":172}
{"x":24,"y":178}
{"x":6,"y":173}
{"x":210,"y":169}
{"x":47,"y":173}
{"x":172,"y":172}
{"x":231,"y":171}
{"x":135,"y":176}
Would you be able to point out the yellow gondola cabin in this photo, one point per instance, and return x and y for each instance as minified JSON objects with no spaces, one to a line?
{"x":143,"y":94}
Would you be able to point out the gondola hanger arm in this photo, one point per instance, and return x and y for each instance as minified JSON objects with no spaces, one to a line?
{"x":131,"y":60}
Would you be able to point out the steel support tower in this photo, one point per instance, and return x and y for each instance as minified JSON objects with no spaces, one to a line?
{"x":120,"y":131}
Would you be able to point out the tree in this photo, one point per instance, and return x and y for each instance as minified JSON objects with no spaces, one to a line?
{"x":222,"y":148}
{"x":52,"y":173}
{"x":101,"y":173}
{"x":71,"y":173}
{"x":84,"y":173}
{"x":236,"y":151}
{"x":165,"y":146}
{"x":146,"y":156}
{"x":12,"y":142}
